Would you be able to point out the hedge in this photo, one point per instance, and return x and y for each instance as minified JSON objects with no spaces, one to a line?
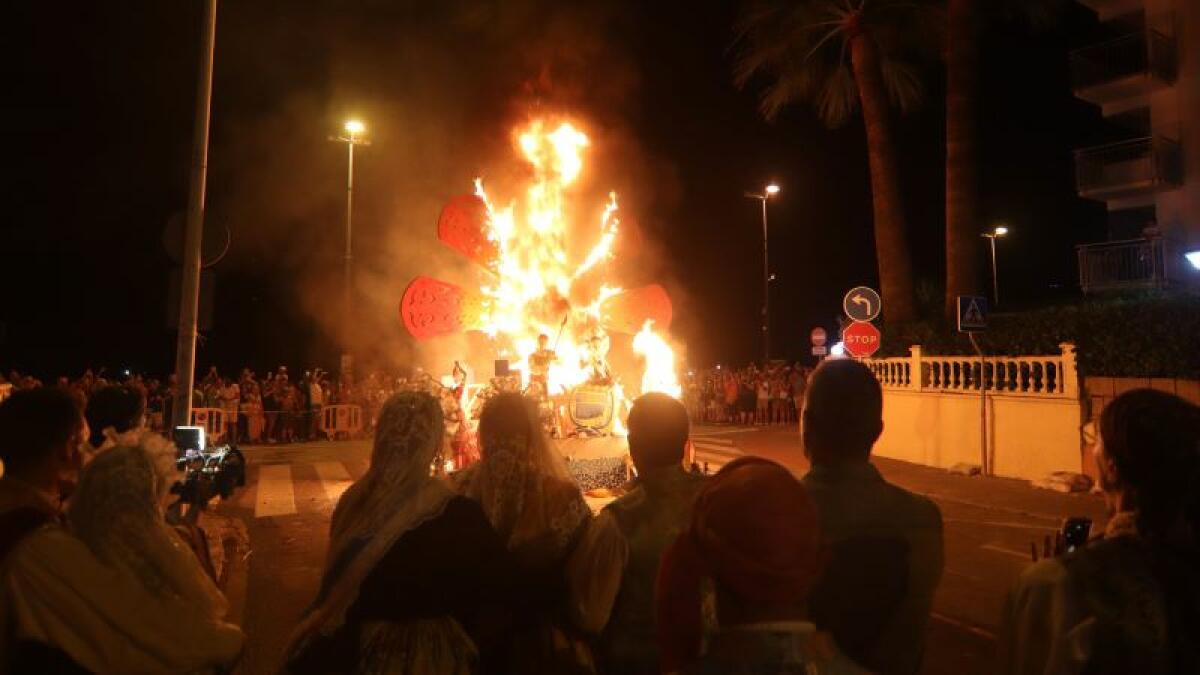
{"x":1149,"y":335}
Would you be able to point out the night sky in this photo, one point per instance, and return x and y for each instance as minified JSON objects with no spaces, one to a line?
{"x":99,"y":116}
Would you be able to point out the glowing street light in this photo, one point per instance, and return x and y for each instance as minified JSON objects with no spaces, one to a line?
{"x":769,"y":191}
{"x":353,"y":136}
{"x":996,"y":233}
{"x":1194,"y":258}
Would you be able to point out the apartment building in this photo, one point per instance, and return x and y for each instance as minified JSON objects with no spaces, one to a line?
{"x":1145,"y":77}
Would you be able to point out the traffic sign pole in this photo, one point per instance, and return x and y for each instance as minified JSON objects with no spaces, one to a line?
{"x":983,"y":435}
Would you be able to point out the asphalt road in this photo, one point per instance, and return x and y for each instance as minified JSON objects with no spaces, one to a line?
{"x":989,"y":525}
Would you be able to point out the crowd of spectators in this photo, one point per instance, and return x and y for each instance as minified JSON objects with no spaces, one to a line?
{"x":503,"y":568}
{"x":758,"y":394}
{"x":271,"y":408}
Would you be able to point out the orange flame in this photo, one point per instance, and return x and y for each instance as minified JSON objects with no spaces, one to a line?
{"x":535,"y":288}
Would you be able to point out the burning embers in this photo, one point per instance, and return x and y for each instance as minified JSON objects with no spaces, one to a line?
{"x":537,"y":285}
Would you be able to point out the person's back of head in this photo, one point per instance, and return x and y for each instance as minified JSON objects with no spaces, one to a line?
{"x":755,"y":533}
{"x":1150,"y":454}
{"x":658,"y":431}
{"x":39,"y":430}
{"x":506,"y":417}
{"x":119,"y":407}
{"x":843,"y":412}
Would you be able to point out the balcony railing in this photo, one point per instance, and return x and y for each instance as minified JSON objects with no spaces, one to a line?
{"x":1128,"y":168}
{"x":1113,"y":265}
{"x":1129,"y":65}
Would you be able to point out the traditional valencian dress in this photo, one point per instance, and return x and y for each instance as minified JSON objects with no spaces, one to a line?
{"x":119,"y":591}
{"x":538,"y":511}
{"x":414,"y":573}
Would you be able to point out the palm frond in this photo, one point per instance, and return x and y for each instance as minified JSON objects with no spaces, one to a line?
{"x":800,"y":50}
{"x":904,"y":85}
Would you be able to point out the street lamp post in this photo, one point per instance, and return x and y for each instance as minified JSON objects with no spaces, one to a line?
{"x":189,"y":296}
{"x":768,"y":192}
{"x":992,"y":236}
{"x":352,"y":135}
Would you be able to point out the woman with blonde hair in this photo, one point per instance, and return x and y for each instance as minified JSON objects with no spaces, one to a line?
{"x":537,"y":509}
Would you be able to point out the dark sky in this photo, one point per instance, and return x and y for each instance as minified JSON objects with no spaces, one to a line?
{"x":99,"y":116}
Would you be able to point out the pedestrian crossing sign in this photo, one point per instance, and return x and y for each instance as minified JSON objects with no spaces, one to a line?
{"x":972,"y":313}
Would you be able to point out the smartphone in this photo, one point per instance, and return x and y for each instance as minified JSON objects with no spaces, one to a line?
{"x":1075,"y":531}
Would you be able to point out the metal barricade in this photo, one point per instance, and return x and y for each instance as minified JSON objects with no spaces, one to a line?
{"x":345,"y":420}
{"x":213,"y":421}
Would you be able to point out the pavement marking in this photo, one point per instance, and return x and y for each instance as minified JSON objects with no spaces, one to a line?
{"x":276,"y":496}
{"x":1023,"y":555}
{"x":731,"y":431}
{"x":994,"y":523}
{"x":335,"y":479}
{"x":964,"y":626}
{"x":722,"y":450}
{"x":701,"y":438}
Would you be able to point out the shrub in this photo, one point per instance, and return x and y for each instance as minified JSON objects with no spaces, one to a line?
{"x":1147,"y":335}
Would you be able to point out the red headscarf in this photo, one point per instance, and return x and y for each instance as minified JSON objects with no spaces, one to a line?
{"x":754,"y":530}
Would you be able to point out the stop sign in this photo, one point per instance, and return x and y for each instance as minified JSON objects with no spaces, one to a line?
{"x":818,"y":336}
{"x":861,"y":339}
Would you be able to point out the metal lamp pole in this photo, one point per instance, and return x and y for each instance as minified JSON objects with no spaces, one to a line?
{"x":992,"y":237}
{"x":353,"y":136}
{"x":766,"y":194}
{"x":189,"y":287}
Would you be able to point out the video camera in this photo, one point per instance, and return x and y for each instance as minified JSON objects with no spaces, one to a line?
{"x":209,"y":470}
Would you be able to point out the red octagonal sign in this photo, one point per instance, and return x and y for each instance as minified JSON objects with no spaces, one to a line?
{"x":861,"y":339}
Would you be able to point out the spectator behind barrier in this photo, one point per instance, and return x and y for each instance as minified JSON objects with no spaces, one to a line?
{"x":118,"y":408}
{"x":754,"y":532}
{"x":1128,"y":602}
{"x":886,"y":557}
{"x":616,"y":564}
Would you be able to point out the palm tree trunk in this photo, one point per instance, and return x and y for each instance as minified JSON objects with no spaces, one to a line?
{"x":962,"y":186}
{"x":891,"y":237}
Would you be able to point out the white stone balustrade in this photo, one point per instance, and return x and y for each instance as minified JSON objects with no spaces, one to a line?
{"x":1053,"y":376}
{"x":933,"y":408}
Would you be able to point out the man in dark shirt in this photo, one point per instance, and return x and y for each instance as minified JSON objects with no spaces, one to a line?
{"x":41,"y":431}
{"x":620,"y":553}
{"x":886,"y":542}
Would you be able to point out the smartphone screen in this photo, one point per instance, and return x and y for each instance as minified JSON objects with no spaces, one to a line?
{"x":1075,"y":532}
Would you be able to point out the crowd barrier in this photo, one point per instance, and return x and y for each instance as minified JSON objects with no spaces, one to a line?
{"x":331,"y":421}
{"x":345,"y":420}
{"x":213,"y":421}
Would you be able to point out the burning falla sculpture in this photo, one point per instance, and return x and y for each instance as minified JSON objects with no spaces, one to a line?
{"x":535,"y":286}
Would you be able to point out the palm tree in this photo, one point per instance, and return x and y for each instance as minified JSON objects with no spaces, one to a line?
{"x":962,"y":186}
{"x":840,"y":56}
{"x":964,"y":19}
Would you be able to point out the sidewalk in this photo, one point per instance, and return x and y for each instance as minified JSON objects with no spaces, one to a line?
{"x":1011,"y":495}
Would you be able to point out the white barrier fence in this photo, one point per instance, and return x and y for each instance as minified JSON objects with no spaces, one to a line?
{"x":932,"y":410}
{"x":334,"y":421}
{"x":344,"y":420}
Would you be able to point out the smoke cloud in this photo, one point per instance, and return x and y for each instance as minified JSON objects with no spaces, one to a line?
{"x":440,"y":89}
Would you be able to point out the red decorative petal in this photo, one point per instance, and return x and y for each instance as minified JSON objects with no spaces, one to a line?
{"x":628,"y":311}
{"x":463,"y":227}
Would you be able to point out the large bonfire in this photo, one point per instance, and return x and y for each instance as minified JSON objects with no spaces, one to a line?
{"x":537,"y":283}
